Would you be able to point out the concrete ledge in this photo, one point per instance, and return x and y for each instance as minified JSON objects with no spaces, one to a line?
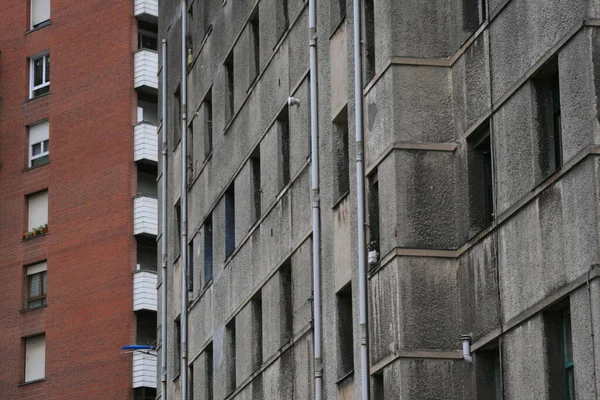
{"x":418,"y":354}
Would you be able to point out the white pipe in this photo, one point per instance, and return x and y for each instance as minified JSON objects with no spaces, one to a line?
{"x":163,"y":238}
{"x":466,"y":348}
{"x":316,"y":201}
{"x":360,"y":200}
{"x":184,"y":256}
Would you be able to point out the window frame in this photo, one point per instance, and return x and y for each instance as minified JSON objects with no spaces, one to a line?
{"x":44,"y":153}
{"x":43,"y":284}
{"x":567,"y":349}
{"x":45,"y":56}
{"x":25,"y":364}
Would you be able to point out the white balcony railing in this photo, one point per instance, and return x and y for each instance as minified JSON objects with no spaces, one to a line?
{"x":145,"y":65}
{"x":145,"y":216}
{"x":144,"y":291}
{"x":144,"y":370}
{"x":146,"y":10}
{"x":145,"y":142}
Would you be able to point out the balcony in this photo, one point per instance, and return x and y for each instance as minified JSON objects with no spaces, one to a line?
{"x":145,"y":66}
{"x":144,"y":291}
{"x":146,"y":10}
{"x":145,"y":142}
{"x":144,"y":370}
{"x":145,"y":216}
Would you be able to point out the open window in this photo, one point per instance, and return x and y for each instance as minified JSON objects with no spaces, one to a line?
{"x":39,"y":75}
{"x":40,"y":13}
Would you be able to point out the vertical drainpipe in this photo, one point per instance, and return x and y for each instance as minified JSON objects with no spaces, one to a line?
{"x":316,"y":223}
{"x":163,"y":239}
{"x":360,"y":194}
{"x":184,"y":256}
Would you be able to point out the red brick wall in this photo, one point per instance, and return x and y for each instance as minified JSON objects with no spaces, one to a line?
{"x":90,"y":249}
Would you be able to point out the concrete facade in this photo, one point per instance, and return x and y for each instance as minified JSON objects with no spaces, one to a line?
{"x":461,"y":99}
{"x":85,"y":311}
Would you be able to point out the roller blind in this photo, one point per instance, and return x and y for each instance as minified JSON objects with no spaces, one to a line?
{"x":39,"y":133}
{"x":36,"y":268}
{"x":40,"y":12}
{"x":38,"y":210}
{"x":35,"y":358}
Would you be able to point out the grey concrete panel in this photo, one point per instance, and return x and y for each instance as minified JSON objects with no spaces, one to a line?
{"x":301,"y":209}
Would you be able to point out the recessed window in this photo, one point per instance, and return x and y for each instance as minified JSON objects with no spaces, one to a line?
{"x":35,"y":358}
{"x":176,"y":117}
{"x":283,"y":127}
{"x":40,"y":12}
{"x":177,"y":230}
{"x":559,"y":352}
{"x":229,"y":221}
{"x":488,"y":373}
{"x":257,"y":332}
{"x":254,"y":65}
{"x":230,"y":356}
{"x":147,"y":36}
{"x":208,"y":372}
{"x":481,"y":197}
{"x":37,"y":204}
{"x":369,"y":26}
{"x":177,"y":345}
{"x":547,"y":99}
{"x":340,"y":153}
{"x":39,"y":144}
{"x":39,"y":75}
{"x":208,"y":250}
{"x":256,"y":183}
{"x":286,"y":306}
{"x":208,"y":124}
{"x":36,"y":285}
{"x":229,"y":88}
{"x":474,"y":14}
{"x":345,"y":332}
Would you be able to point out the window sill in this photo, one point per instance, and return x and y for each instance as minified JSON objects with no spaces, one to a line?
{"x":31,"y":382}
{"x":41,"y":26}
{"x":34,"y":237}
{"x":36,"y":167}
{"x":37,"y":97}
{"x":344,"y":377}
{"x":32,"y":309}
{"x":340,"y":199}
{"x":176,"y":377}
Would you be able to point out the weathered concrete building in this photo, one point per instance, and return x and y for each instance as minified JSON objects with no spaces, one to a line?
{"x":481,"y":150}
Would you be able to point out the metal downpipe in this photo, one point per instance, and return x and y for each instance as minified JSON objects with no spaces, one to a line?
{"x":316,"y":223}
{"x":360,"y":200}
{"x":163,"y":239}
{"x":184,"y":255}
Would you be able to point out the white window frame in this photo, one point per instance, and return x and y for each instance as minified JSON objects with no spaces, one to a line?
{"x":39,"y":199}
{"x":45,"y":143}
{"x":41,"y":23}
{"x":45,"y":57}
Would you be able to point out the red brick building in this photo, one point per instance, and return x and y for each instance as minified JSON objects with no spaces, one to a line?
{"x":77,"y":198}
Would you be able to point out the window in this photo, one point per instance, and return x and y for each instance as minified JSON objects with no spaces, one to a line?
{"x":191,"y":267}
{"x":208,"y":124}
{"x":230,"y":356}
{"x":474,"y":14}
{"x":229,"y":221}
{"x":488,"y":373}
{"x":559,"y":352}
{"x":176,"y":117}
{"x":40,"y":13}
{"x":256,"y":184}
{"x":144,"y":393}
{"x":37,"y":210}
{"x":146,"y":180}
{"x":373,"y":209}
{"x":345,"y":331}
{"x":286,"y":310}
{"x":338,"y":13}
{"x":377,"y":386}
{"x":547,"y":92}
{"x":36,"y":285}
{"x":208,"y":250}
{"x":229,"y":88}
{"x":281,"y":18}
{"x":283,"y":127}
{"x":147,"y":36}
{"x":191,"y":381}
{"x":369,"y":27}
{"x":257,"y":331}
{"x":39,"y":75}
{"x":567,"y":350}
{"x":177,"y":350}
{"x":177,"y":230}
{"x":147,"y":110}
{"x":481,"y":198}
{"x":39,"y":143}
{"x":341,"y":163}
{"x":254,"y":46}
{"x":35,"y":358}
{"x":208,"y":371}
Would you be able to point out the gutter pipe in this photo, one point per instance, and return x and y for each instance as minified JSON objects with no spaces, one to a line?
{"x":316,"y":201}
{"x":360,"y":200}
{"x":163,"y":239}
{"x":184,"y":255}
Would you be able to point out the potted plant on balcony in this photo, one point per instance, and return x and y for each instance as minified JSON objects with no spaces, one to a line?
{"x":42,"y":229}
{"x":26,"y":235}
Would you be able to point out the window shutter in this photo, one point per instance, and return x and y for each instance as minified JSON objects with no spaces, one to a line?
{"x":37,"y":268}
{"x":38,"y":210}
{"x":40,"y":12}
{"x":35,"y":358}
{"x":39,"y":133}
